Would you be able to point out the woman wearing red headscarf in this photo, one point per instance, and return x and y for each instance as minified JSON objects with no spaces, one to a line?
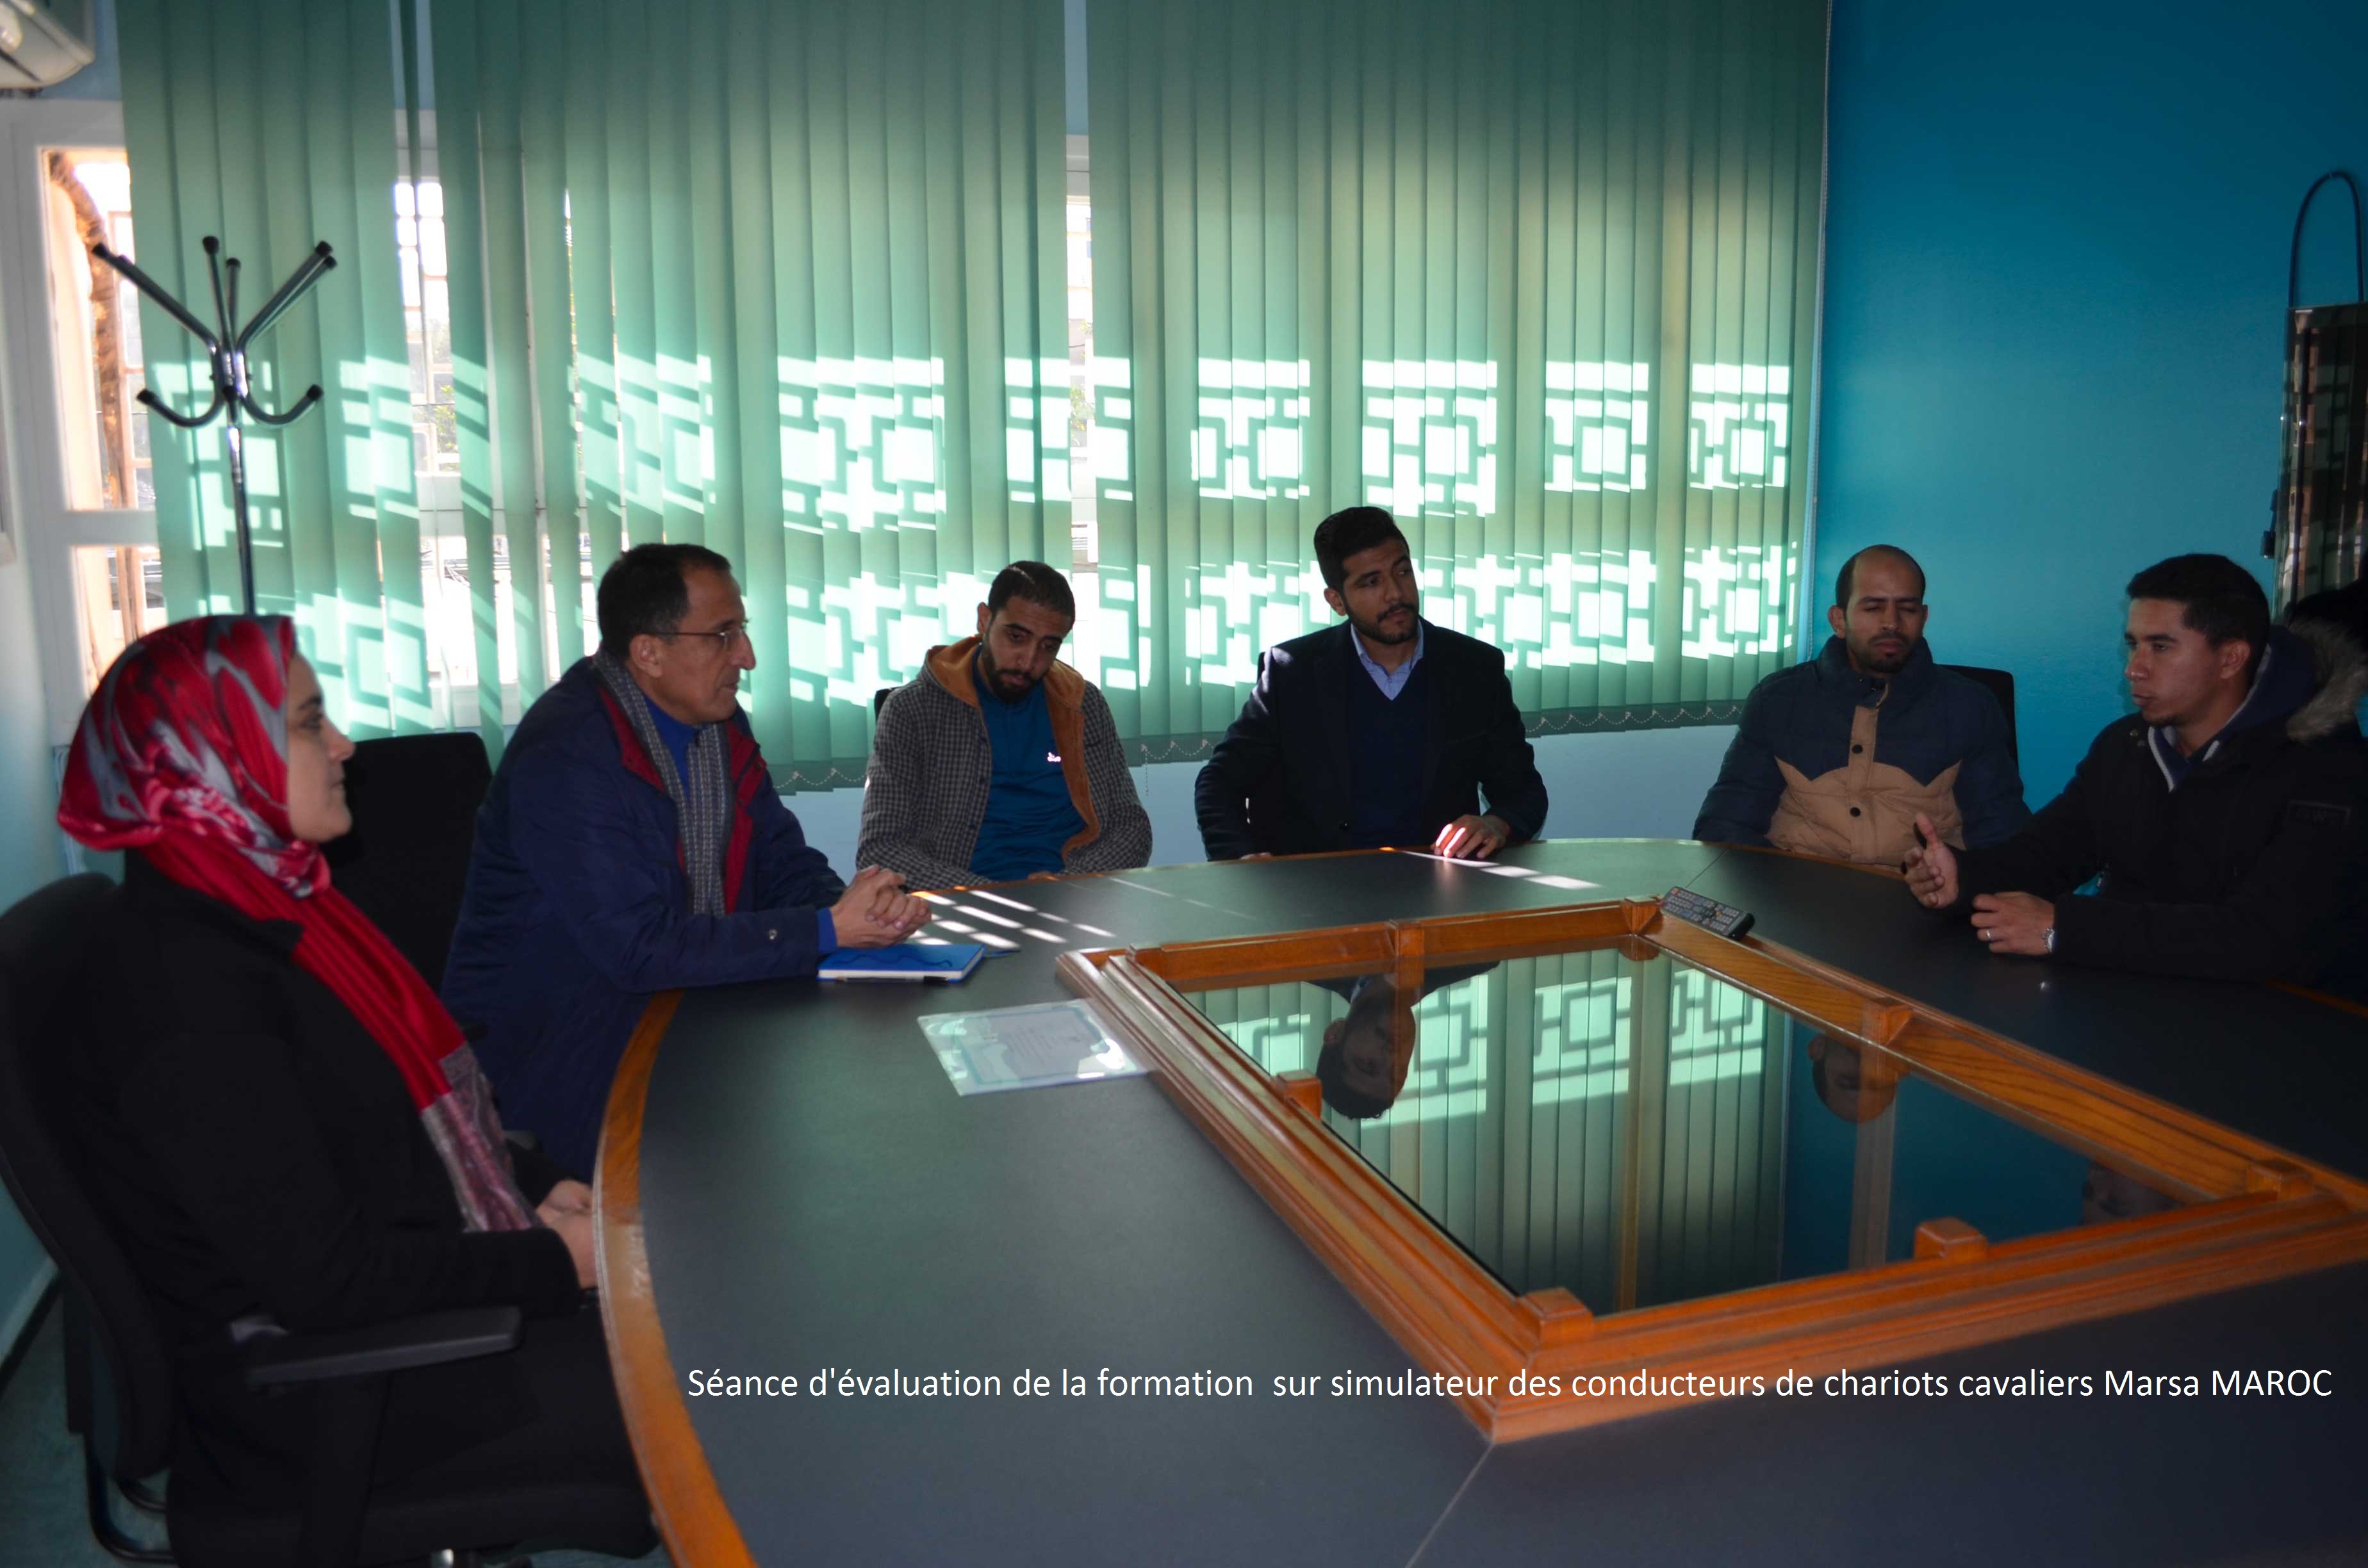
{"x":285,"y":1122}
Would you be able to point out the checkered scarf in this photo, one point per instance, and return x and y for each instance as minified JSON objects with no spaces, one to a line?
{"x":702,"y":803}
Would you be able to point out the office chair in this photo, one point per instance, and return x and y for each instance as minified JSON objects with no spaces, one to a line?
{"x":127,"y":1391}
{"x":2002,"y":686}
{"x":405,"y":864}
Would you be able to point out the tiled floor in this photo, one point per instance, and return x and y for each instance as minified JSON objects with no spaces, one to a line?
{"x":41,"y":1519}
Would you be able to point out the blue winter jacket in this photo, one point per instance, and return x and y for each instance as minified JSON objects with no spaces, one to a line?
{"x":1830,"y":762}
{"x":578,"y":908}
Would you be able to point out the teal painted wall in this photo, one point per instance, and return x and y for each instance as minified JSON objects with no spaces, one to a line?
{"x":2056,"y":284}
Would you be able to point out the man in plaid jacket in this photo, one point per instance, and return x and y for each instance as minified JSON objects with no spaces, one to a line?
{"x":999,"y":761}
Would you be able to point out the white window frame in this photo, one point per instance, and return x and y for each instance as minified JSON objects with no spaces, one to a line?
{"x":47,"y":527}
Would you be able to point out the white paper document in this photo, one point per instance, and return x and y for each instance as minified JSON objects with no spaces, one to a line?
{"x":1026,"y":1048}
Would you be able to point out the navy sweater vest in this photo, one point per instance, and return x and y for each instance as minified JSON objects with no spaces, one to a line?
{"x":1386,"y":740}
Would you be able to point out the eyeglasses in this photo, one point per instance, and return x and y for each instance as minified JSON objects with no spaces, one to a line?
{"x":724,"y":637}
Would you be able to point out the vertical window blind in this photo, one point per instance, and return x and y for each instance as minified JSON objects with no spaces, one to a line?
{"x":781,"y":281}
{"x":272,"y":126}
{"x":811,"y":284}
{"x":1537,"y":276}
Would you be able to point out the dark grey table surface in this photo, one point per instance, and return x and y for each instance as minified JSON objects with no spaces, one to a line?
{"x":815,"y":1195}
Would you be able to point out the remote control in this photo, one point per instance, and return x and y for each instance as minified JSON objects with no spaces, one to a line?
{"x":1718,"y":919}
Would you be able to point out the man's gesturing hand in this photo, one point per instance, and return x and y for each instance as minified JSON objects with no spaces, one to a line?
{"x":875,"y":910}
{"x":1931,"y":867}
{"x":1471,"y":838}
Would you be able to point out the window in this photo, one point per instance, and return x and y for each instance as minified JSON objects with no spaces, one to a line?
{"x":427,"y":324}
{"x":119,"y":590}
{"x":436,"y":456}
{"x":94,"y":319}
{"x":104,"y":588}
{"x":1078,"y":221}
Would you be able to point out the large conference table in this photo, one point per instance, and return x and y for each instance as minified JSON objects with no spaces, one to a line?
{"x":790,"y":1183}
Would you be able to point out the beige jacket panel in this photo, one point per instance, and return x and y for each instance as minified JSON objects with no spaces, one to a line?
{"x":1864,"y":811}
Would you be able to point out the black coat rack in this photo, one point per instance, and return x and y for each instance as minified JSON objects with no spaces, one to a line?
{"x":226,"y":355}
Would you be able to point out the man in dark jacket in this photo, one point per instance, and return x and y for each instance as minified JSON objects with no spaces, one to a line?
{"x":2225,"y":817}
{"x":633,"y":843}
{"x":1841,"y":756}
{"x":1381,"y":731}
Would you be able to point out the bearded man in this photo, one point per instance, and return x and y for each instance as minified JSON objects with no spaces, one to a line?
{"x":1381,"y":731}
{"x":1839,"y":757}
{"x":999,"y":762}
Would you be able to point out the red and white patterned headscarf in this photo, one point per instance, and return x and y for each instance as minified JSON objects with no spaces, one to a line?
{"x":182,"y":755}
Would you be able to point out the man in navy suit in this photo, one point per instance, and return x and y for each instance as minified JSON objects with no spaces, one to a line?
{"x":1383,"y":731}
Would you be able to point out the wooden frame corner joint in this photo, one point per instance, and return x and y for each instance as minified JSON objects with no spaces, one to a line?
{"x":1303,"y":1090}
{"x":2280,"y":1178}
{"x":1560,"y":1317}
{"x":1951,"y":1241}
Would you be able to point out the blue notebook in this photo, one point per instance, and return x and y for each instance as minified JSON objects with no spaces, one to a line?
{"x":947,"y":961}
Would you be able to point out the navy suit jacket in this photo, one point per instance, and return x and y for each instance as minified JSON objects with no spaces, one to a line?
{"x":1280,"y":781}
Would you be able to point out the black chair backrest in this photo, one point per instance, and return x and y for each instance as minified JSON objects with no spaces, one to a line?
{"x":41,"y":942}
{"x":405,"y":864}
{"x":880,"y":699}
{"x":2002,"y":686}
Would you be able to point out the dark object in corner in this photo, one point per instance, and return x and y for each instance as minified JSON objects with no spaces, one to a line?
{"x":2320,"y":522}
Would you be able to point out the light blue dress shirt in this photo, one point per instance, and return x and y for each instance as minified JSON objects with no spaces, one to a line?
{"x":1392,"y":682}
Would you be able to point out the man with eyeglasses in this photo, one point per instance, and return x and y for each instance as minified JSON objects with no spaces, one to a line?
{"x":631,"y":842}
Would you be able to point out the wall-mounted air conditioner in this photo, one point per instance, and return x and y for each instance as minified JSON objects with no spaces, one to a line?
{"x":42,"y":42}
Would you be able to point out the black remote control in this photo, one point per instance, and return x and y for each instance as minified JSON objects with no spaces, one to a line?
{"x":1718,"y":919}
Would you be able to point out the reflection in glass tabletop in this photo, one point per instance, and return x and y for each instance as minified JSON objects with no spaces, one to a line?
{"x":1640,"y":1132}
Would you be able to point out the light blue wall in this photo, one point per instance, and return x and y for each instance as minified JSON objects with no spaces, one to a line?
{"x":1635,"y":784}
{"x":28,"y":839}
{"x":2056,"y":283}
{"x":29,"y":856}
{"x":103,"y":77}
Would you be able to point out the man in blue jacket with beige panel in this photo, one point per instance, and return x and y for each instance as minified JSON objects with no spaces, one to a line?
{"x":1840,"y":756}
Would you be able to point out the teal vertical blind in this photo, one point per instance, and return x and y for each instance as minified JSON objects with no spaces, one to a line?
{"x":782,"y":280}
{"x":1538,"y":276}
{"x":788,"y":281}
{"x":269,"y":125}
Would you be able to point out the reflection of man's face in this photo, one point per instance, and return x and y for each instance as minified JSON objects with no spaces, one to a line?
{"x":1845,"y":1084}
{"x":1368,"y":1053}
{"x":1367,"y":1063}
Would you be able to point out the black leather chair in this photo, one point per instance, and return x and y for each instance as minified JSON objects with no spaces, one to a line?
{"x":405,"y":864}
{"x":125,"y":1389}
{"x":2002,"y":686}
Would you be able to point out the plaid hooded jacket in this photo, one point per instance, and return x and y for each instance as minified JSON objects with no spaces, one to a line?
{"x":925,"y":793}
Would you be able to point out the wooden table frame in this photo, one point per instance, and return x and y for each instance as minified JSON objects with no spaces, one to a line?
{"x":2258,"y":1213}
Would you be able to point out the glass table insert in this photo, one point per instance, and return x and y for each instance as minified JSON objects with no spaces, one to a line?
{"x":1638,"y":1130}
{"x":1576,"y":1145}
